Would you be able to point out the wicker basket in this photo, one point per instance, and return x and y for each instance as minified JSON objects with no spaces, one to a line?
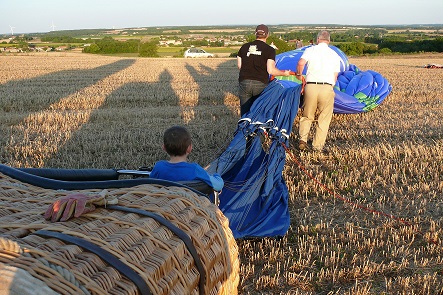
{"x":139,"y":253}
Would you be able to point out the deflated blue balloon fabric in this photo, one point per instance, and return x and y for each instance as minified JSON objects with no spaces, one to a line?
{"x":356,"y":91}
{"x":255,"y":195}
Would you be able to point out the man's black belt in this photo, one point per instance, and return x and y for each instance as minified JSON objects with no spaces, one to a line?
{"x":322,"y":83}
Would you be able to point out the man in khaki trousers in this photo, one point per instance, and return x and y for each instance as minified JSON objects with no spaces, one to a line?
{"x":323,"y":66}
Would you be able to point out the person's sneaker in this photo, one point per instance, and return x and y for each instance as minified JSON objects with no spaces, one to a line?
{"x":302,"y":145}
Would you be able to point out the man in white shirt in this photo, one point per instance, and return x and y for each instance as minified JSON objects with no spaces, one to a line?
{"x":323,"y":66}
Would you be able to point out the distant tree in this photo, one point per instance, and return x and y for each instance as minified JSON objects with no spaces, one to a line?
{"x":353,"y":48}
{"x":24,"y":46}
{"x":282,"y":45}
{"x":250,"y":37}
{"x":370,"y":49}
{"x":61,"y":39}
{"x":385,"y":51}
{"x":435,"y":45}
{"x":219,"y":43}
{"x":108,"y":45}
{"x":148,"y":49}
{"x":93,"y":48}
{"x":373,"y":40}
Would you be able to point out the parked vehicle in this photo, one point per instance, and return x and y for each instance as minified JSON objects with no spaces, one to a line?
{"x":197,"y":52}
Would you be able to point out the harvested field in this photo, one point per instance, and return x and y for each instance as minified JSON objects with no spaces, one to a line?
{"x":366,"y":218}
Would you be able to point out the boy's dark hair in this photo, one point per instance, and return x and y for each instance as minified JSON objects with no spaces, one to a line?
{"x":176,"y":140}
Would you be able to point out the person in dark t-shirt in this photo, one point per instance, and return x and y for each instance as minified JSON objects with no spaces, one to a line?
{"x":256,"y":61}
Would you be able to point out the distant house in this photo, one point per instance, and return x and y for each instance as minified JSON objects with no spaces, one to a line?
{"x":13,"y":49}
{"x":170,"y":42}
{"x":229,"y":42}
{"x":61,"y":48}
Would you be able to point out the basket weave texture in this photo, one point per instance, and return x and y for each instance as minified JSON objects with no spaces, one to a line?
{"x":32,"y":264}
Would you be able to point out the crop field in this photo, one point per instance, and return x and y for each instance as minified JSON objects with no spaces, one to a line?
{"x":366,"y":218}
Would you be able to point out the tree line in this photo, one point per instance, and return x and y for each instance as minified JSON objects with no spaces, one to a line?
{"x":108,"y":45}
{"x":352,"y":43}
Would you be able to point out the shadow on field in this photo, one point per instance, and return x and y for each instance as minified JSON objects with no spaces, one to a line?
{"x":22,"y":98}
{"x":38,"y":93}
{"x":140,"y":95}
{"x":124,"y":131}
{"x":213,"y":87}
{"x":215,"y":119}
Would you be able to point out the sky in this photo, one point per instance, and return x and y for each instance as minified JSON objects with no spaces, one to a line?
{"x":40,"y":16}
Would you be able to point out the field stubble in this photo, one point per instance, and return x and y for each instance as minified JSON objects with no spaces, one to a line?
{"x":82,"y":111}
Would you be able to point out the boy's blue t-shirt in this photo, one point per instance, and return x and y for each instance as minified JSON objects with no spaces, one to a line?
{"x":184,"y":171}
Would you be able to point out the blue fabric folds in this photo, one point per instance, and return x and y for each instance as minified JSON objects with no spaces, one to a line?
{"x":356,"y":91}
{"x":255,"y":196}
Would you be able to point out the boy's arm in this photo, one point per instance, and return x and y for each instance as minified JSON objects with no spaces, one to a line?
{"x":217,"y":182}
{"x":213,"y":180}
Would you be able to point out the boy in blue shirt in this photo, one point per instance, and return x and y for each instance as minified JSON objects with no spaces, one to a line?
{"x":177,"y":143}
